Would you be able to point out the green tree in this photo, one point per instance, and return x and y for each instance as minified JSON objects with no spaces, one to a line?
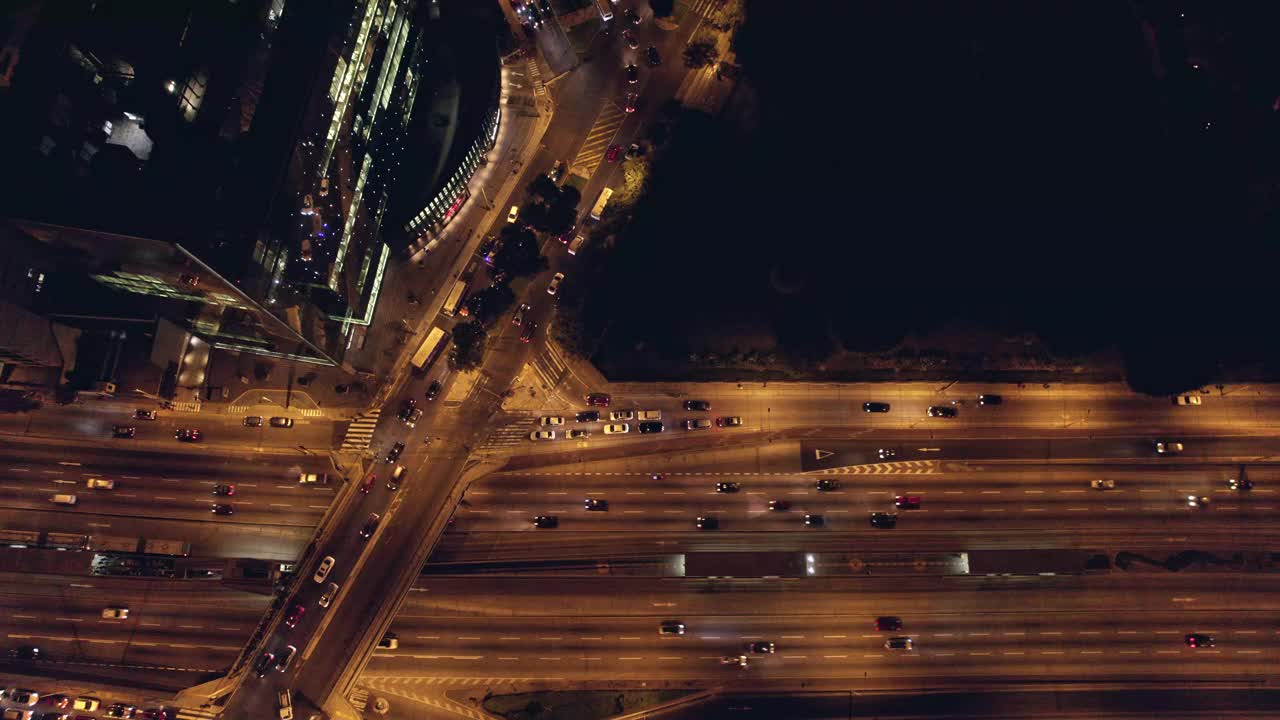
{"x":700,"y":54}
{"x":519,"y":255}
{"x":489,"y":304}
{"x":541,"y":186}
{"x":662,"y":8}
{"x":468,"y":345}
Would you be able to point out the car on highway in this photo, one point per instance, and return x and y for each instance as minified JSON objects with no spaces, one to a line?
{"x":554,"y":285}
{"x":406,"y":408}
{"x":224,"y":490}
{"x":622,"y":415}
{"x":120,"y":710}
{"x":729,"y":421}
{"x":433,"y":390}
{"x":761,"y":647}
{"x":596,"y":504}
{"x":875,"y":407}
{"x":390,"y":641}
{"x":906,"y":502}
{"x":1198,"y":501}
{"x":1239,"y":485}
{"x":141,"y":414}
{"x":735,"y":660}
{"x":812,"y":520}
{"x":578,"y":434}
{"x":649,"y":415}
{"x":530,"y":328}
{"x":827,"y":485}
{"x":191,"y":435}
{"x":1100,"y":484}
{"x":707,"y":522}
{"x":692,"y":424}
{"x":727,"y":487}
{"x":1186,"y":400}
{"x":542,"y":435}
{"x":899,"y":643}
{"x":286,"y":657}
{"x":587,"y":416}
{"x":25,"y":652}
{"x":652,"y":426}
{"x":1198,"y":640}
{"x":295,"y":615}
{"x":651,"y":56}
{"x":397,"y":473}
{"x":223,"y":509}
{"x":613,"y":153}
{"x":394,"y":453}
{"x":631,"y":16}
{"x":888,"y":623}
{"x":323,"y":569}
{"x":671,"y":627}
{"x":281,"y":422}
{"x":628,"y":107}
{"x":22,"y":696}
{"x":515,"y":213}
{"x":100,"y":484}
{"x":632,"y":41}
{"x":886,"y":453}
{"x":550,"y":421}
{"x":263,"y":665}
{"x":123,"y":431}
{"x":599,"y":399}
{"x":942,"y":411}
{"x":546,"y":522}
{"x":697,"y":405}
{"x":88,"y":704}
{"x":253,"y":421}
{"x":370,"y":524}
{"x":617,"y":429}
{"x":884,"y":521}
{"x":327,"y":598}
{"x":632,"y":74}
{"x":989,"y":399}
{"x":414,"y":417}
{"x":366,"y":487}
{"x":313,"y":478}
{"x":518,"y":317}
{"x":115,"y":613}
{"x":779,"y":505}
{"x":1168,"y":447}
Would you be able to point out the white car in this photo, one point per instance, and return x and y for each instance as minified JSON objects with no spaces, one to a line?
{"x":322,"y":570}
{"x":550,"y":420}
{"x":86,"y":703}
{"x":1186,"y":400}
{"x":542,"y":435}
{"x":649,"y":415}
{"x":100,"y":484}
{"x":622,"y":415}
{"x":115,"y":613}
{"x":328,"y":595}
{"x":617,"y":429}
{"x":515,"y":213}
{"x":555,"y":283}
{"x":518,"y":318}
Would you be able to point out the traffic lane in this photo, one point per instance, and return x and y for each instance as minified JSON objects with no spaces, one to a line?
{"x":303,"y":511}
{"x":19,"y":458}
{"x":1115,"y":595}
{"x":67,"y":641}
{"x":227,"y":615}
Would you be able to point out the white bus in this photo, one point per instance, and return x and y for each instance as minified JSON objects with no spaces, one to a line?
{"x":601,"y":201}
{"x":430,"y":349}
{"x":606,"y":10}
{"x":454,"y":302}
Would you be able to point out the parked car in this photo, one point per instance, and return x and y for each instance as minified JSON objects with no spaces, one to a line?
{"x":617,"y":429}
{"x":542,"y":435}
{"x":730,"y":421}
{"x":599,"y":399}
{"x":281,"y":422}
{"x":1186,"y":400}
{"x":433,"y":390}
{"x":587,"y":416}
{"x":622,"y":415}
{"x":697,"y":405}
{"x":253,"y":421}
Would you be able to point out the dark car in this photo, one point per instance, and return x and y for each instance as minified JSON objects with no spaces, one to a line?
{"x":907,"y":502}
{"x":546,"y":522}
{"x":295,"y":615}
{"x":731,"y":421}
{"x":779,"y":505}
{"x":25,"y":652}
{"x":884,"y":521}
{"x":596,"y":504}
{"x":223,"y":509}
{"x":814,"y":520}
{"x":407,"y":408}
{"x":599,"y":399}
{"x":370,"y":525}
{"x":394,"y":453}
{"x":1198,"y":640}
{"x":587,"y":416}
{"x":263,"y":664}
{"x":191,"y":435}
{"x":761,"y":647}
{"x":144,"y":414}
{"x":530,"y":328}
{"x":120,"y":710}
{"x":633,"y":74}
{"x":433,"y":390}
{"x":631,"y":16}
{"x":545,"y":6}
{"x":653,"y":426}
{"x":707,"y":522}
{"x":366,"y":487}
{"x":629,"y":107}
{"x":987,"y":399}
{"x":727,"y":487}
{"x":942,"y":411}
{"x":253,"y":421}
{"x":697,"y":405}
{"x":827,"y":485}
{"x":123,"y":431}
{"x":1240,"y":484}
{"x":876,"y":407}
{"x":888,"y":623}
{"x":651,"y":56}
{"x":281,"y":422}
{"x":224,"y":490}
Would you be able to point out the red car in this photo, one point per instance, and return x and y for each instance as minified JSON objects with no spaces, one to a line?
{"x":599,"y":399}
{"x":295,"y":614}
{"x":615,"y":152}
{"x":779,"y":505}
{"x":367,"y":485}
{"x":907,"y":502}
{"x":632,"y":98}
{"x":188,"y":435}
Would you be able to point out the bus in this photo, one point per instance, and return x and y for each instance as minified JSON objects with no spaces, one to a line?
{"x":43,"y":539}
{"x":606,"y":9}
{"x":430,"y":349}
{"x":601,"y":201}
{"x":454,"y":302}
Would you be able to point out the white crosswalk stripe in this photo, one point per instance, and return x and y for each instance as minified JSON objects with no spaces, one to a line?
{"x":359,"y":698}
{"x":598,"y":138}
{"x":514,"y":430}
{"x":549,"y":367}
{"x":705,"y":8}
{"x":360,"y":431}
{"x":539,"y":87}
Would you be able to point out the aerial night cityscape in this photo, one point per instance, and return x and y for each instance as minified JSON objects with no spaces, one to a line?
{"x":623,"y":359}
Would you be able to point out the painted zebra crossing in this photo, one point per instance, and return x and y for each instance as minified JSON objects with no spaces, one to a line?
{"x":906,"y":467}
{"x":360,"y":432}
{"x":514,"y":430}
{"x":539,"y":87}
{"x":598,"y":140}
{"x":705,"y":8}
{"x":250,"y":409}
{"x":549,"y":367}
{"x":359,"y":698}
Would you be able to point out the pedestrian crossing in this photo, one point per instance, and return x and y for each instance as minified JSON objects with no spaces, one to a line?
{"x":539,"y":87}
{"x":705,"y":8}
{"x":549,"y":367}
{"x":906,"y":467}
{"x":513,"y":430}
{"x":185,"y":406}
{"x":359,"y":698}
{"x":254,"y":410}
{"x":420,"y":690}
{"x":360,"y":432}
{"x":601,"y":135}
